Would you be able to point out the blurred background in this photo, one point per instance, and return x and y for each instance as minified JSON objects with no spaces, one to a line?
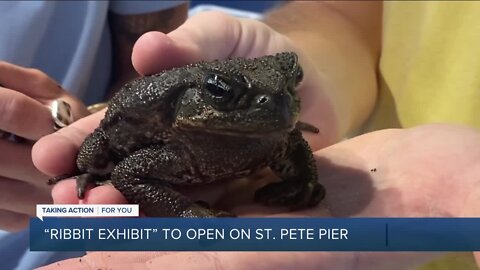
{"x":255,"y":6}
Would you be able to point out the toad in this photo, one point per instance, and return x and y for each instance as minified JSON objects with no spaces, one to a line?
{"x":205,"y":122}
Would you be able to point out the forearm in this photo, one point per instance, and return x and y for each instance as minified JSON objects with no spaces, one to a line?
{"x":342,"y":39}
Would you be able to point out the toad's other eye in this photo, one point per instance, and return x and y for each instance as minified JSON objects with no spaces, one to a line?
{"x":218,"y":88}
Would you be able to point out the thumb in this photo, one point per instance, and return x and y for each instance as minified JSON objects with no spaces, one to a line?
{"x":206,"y":36}
{"x":55,"y":154}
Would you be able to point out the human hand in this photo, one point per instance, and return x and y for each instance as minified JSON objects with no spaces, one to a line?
{"x":24,"y":98}
{"x":389,"y":173}
{"x":213,"y":35}
{"x":188,"y":44}
{"x":207,"y":36}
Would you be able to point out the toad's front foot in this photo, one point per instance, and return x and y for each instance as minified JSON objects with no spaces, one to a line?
{"x":56,"y":179}
{"x":291,"y":193}
{"x":83,"y":180}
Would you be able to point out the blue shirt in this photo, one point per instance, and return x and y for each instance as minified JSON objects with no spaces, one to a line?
{"x":70,"y":41}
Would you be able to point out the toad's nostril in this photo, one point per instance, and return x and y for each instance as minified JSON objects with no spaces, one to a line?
{"x":264,"y":101}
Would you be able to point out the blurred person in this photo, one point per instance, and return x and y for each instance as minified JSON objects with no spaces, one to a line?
{"x":75,"y":51}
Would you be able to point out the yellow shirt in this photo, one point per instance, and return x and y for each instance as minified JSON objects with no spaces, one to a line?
{"x":430,"y":73}
{"x":430,"y":64}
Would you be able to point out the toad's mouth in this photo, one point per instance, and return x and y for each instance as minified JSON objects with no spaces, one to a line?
{"x":250,"y":133}
{"x":244,"y":131}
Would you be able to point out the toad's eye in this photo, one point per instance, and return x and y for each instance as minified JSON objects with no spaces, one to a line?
{"x":218,"y":88}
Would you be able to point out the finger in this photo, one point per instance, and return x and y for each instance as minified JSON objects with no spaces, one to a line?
{"x":55,"y":154}
{"x":29,"y":81}
{"x":24,"y":116}
{"x":13,"y":222}
{"x":20,"y":197}
{"x":185,"y":44}
{"x":169,"y":54}
{"x":104,"y":195}
{"x":206,"y":36}
{"x":65,"y":193}
{"x":16,"y":163}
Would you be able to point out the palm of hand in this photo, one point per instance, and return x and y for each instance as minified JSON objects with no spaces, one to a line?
{"x":390,"y":173}
{"x":421,"y":172}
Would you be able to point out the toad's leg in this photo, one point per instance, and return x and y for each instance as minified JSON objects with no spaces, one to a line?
{"x":94,"y":160}
{"x":299,"y":188}
{"x":144,"y":177}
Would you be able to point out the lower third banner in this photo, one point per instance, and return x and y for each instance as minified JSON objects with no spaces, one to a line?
{"x":255,"y":234}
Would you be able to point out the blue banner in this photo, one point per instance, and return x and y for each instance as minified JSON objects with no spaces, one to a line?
{"x":255,"y":234}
